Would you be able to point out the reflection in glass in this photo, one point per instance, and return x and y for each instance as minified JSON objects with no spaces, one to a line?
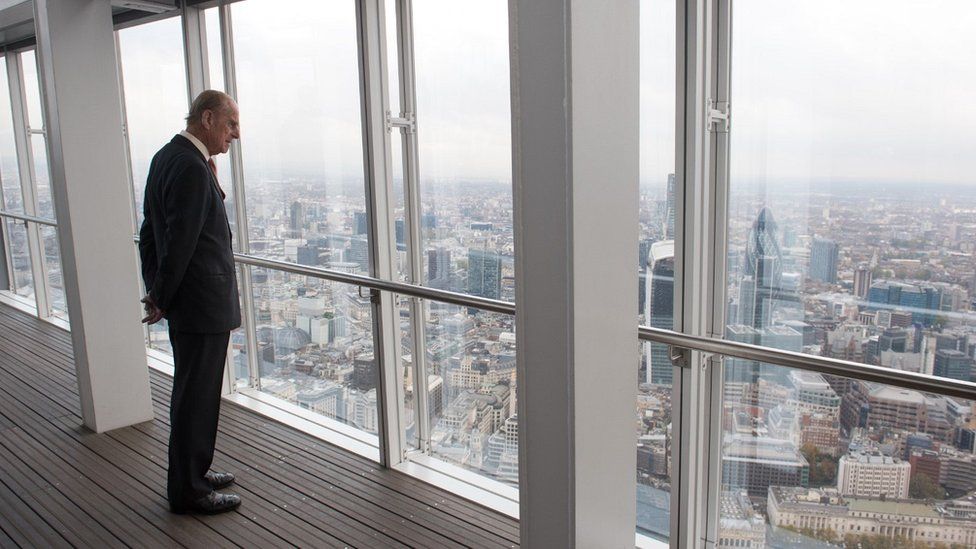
{"x":154,"y":78}
{"x":315,"y":346}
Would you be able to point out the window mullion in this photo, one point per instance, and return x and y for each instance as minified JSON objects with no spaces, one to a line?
{"x":240,"y":206}
{"x":381,"y":234}
{"x":195,"y":51}
{"x":28,"y":182}
{"x":412,"y":222}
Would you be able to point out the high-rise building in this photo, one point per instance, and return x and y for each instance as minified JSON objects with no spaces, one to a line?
{"x":823,"y":260}
{"x":953,"y":364}
{"x":762,"y":273}
{"x":399,"y":228}
{"x":661,"y":308}
{"x":308,"y":255}
{"x":669,"y":216}
{"x":361,"y":226}
{"x":358,"y":253}
{"x":439,"y":266}
{"x":484,"y":273}
{"x":862,"y":281}
{"x":297,"y":219}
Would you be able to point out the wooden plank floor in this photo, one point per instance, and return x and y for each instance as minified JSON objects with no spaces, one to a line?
{"x":64,"y":486}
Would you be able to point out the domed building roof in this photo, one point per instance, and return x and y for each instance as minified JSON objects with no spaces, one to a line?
{"x":289,"y":340}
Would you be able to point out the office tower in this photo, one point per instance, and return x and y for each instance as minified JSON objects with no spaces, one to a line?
{"x":823,"y":260}
{"x":661,"y":308}
{"x":297,"y":219}
{"x":400,"y":230}
{"x":484,"y":273}
{"x":428,"y":221}
{"x":642,"y":274}
{"x":361,"y":225}
{"x":953,"y":364}
{"x":669,"y":215}
{"x":862,"y":281}
{"x":643,"y":255}
{"x":439,"y":266}
{"x":364,"y":372}
{"x":308,"y":255}
{"x":762,"y":273}
{"x":923,"y":302}
{"x":358,"y":252}
{"x":893,"y":339}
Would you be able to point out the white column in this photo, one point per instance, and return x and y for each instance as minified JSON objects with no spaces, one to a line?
{"x":88,"y":178}
{"x":575,"y":111}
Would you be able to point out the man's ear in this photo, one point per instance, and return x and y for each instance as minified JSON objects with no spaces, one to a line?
{"x":206,"y":119}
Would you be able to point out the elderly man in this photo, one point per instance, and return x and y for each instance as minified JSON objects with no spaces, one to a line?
{"x":188,"y":269}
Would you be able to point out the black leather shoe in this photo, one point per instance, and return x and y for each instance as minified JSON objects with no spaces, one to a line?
{"x":219,"y":480}
{"x":210,"y":504}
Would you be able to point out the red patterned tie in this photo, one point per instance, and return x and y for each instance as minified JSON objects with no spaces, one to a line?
{"x":213,"y":168}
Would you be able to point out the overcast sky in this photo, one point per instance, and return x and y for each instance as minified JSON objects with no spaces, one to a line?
{"x":822,"y":90}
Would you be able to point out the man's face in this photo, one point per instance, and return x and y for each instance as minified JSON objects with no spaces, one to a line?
{"x":221,"y":126}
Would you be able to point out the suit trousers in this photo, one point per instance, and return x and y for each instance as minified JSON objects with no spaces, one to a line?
{"x":194,"y":411}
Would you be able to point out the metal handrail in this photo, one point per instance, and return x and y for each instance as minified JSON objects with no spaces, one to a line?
{"x":778,"y":357}
{"x":29,"y":219}
{"x":412,"y":290}
{"x":813,"y":363}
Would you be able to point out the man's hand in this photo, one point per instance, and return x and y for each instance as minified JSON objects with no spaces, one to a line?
{"x":153,"y":313}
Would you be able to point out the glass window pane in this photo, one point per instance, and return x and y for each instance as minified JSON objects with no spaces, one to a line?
{"x":240,"y":367}
{"x":410,"y":428}
{"x":159,"y":337}
{"x":32,"y":89}
{"x":55,"y":282}
{"x":298,"y":89}
{"x":392,"y":57}
{"x":9,"y":171}
{"x":471,"y":387}
{"x":42,"y":177}
{"x":23,"y":280}
{"x":850,"y":236}
{"x":827,"y":459}
{"x":464,"y":132}
{"x":655,"y":265}
{"x":215,"y":58}
{"x":315,"y":346}
{"x":154,"y":77}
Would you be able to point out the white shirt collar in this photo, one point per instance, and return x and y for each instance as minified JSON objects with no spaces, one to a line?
{"x":199,"y":144}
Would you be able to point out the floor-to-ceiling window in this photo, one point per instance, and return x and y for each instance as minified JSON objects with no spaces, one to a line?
{"x":155,"y":93}
{"x":849,"y":236}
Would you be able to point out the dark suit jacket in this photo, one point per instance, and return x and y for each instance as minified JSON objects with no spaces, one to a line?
{"x":185,"y":243}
